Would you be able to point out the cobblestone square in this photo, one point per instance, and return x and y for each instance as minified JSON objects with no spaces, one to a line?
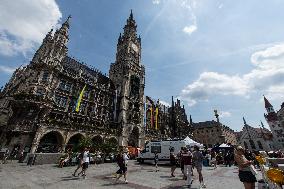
{"x":20,"y":176}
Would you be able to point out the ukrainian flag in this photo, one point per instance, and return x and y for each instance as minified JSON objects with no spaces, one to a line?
{"x":80,"y":99}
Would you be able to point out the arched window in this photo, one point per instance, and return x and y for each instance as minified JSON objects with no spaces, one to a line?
{"x":252,"y":144}
{"x":246,"y":145}
{"x":259,"y":145}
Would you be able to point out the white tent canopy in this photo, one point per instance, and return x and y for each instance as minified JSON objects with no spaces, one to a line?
{"x":191,"y":142}
{"x":224,"y":146}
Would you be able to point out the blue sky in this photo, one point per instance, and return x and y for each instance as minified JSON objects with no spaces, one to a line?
{"x":212,"y":54}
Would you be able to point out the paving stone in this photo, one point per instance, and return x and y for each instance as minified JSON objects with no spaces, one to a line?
{"x":20,"y":176}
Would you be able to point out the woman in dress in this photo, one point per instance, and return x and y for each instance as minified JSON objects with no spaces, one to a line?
{"x":245,"y":174}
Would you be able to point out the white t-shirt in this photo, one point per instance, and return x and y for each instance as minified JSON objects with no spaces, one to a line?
{"x":125,"y":158}
{"x":86,"y":158}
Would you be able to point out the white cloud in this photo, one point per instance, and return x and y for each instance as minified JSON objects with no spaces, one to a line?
{"x":156,"y":2}
{"x":7,"y":69}
{"x":164,"y":103}
{"x":220,"y":6}
{"x":190,"y":5}
{"x":266,"y":78}
{"x":212,"y":83}
{"x":24,"y":23}
{"x":225,"y":114}
{"x":190,"y":29}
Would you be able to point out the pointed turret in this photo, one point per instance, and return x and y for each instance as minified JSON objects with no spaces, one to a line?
{"x":268,"y":106}
{"x":61,"y":35}
{"x":271,"y":114}
{"x":130,"y":27}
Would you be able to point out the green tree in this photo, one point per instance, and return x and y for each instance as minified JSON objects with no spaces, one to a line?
{"x":85,"y":142}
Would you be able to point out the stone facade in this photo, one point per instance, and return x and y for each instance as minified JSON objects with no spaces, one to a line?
{"x":255,"y":139}
{"x":38,"y":104}
{"x":275,"y":121}
{"x":211,"y":133}
{"x":164,"y":122}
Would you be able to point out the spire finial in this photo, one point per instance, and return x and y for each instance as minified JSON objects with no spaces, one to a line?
{"x":244,"y":121}
{"x":67,"y":22}
{"x":131,"y":14}
{"x":262,"y":124}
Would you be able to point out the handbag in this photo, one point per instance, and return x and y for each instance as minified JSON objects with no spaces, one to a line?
{"x":253,"y":170}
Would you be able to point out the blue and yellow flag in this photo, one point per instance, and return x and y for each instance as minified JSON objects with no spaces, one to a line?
{"x":80,"y":99}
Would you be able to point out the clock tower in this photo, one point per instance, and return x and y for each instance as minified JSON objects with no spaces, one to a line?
{"x":128,"y":76}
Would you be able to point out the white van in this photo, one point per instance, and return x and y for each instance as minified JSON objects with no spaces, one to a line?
{"x":163,"y":149}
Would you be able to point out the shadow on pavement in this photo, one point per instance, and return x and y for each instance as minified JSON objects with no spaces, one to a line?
{"x":165,"y":176}
{"x":110,"y":184}
{"x":178,"y":187}
{"x":70,"y":178}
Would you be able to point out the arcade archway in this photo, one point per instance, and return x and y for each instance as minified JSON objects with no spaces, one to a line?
{"x":74,"y":142}
{"x":50,"y":142}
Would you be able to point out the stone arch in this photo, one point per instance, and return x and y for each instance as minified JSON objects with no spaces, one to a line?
{"x":73,"y":141}
{"x":97,"y":141}
{"x":50,"y":142}
{"x":113,"y":140}
{"x":134,"y":137}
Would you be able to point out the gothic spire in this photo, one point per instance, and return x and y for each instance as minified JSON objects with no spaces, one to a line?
{"x":267,"y":103}
{"x":268,"y":106}
{"x":130,"y":27}
{"x":131,"y":15}
{"x":61,"y":35}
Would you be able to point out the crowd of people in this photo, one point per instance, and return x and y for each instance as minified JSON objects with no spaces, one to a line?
{"x":187,"y":159}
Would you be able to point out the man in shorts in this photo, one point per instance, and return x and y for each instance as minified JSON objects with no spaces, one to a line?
{"x":197,"y":158}
{"x":85,"y":162}
{"x":80,"y":162}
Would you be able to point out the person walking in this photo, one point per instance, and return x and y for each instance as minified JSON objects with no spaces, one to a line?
{"x":245,"y":174}
{"x":173,"y":163}
{"x":214,"y":159}
{"x":79,"y":162}
{"x":156,"y":159}
{"x":181,"y":163}
{"x":85,"y":162}
{"x":122,"y":160}
{"x":186,"y":157}
{"x":197,"y":158}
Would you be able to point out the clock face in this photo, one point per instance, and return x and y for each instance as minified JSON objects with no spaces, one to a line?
{"x":134,"y":47}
